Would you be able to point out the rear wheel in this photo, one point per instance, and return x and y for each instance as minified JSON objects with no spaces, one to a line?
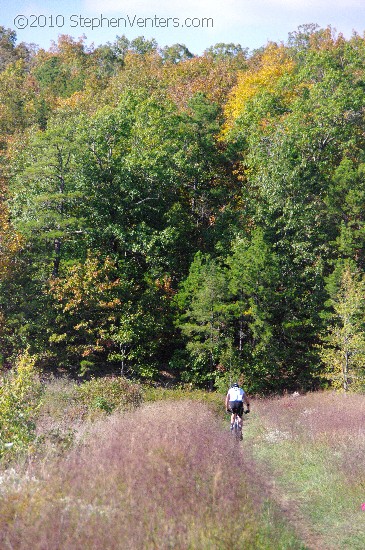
{"x":237,"y":430}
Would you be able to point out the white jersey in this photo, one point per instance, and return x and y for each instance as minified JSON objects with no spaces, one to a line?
{"x":236,"y":394}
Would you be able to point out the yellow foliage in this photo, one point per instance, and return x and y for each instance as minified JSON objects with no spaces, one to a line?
{"x":20,"y":394}
{"x":274,"y":64}
{"x":10,"y":243}
{"x":85,"y":101}
{"x":87,"y":285}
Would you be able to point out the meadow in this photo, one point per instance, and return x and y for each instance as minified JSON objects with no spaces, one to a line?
{"x":109,"y":463}
{"x":114,"y":465}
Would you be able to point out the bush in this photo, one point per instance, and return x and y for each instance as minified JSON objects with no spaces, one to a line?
{"x":20,"y":394}
{"x":110,"y":394}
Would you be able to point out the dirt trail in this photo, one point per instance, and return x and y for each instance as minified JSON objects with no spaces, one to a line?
{"x":289,"y":507}
{"x":292,"y":513}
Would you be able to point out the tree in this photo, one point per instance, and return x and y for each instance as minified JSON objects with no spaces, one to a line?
{"x":143,"y":46}
{"x":292,"y":124}
{"x":222,"y":50}
{"x":274,"y":65}
{"x":17,"y":99}
{"x":201,"y":298}
{"x":176,"y":53}
{"x":45,"y":200}
{"x":343,"y":348}
{"x":9,"y":51}
{"x":253,"y":279}
{"x":92,"y":305}
{"x":345,"y":201}
{"x":10,"y":240}
{"x":104,"y":320}
{"x":64,"y":70}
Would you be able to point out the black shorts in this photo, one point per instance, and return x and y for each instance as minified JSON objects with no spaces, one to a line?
{"x":236,"y":407}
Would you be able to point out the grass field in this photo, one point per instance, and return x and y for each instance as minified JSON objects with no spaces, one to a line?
{"x":111,"y":473}
{"x":112,"y":465}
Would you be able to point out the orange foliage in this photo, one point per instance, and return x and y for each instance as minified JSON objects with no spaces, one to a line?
{"x":10,"y":240}
{"x":89,"y":298}
{"x":179,"y":81}
{"x":200,"y":74}
{"x":87,"y":285}
{"x":165,"y":285}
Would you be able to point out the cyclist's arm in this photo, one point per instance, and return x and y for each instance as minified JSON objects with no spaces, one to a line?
{"x":227,"y":401}
{"x":246,"y":401}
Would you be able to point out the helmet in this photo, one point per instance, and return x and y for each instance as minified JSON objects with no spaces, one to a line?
{"x":235,"y":385}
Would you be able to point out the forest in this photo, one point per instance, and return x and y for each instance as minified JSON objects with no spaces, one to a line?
{"x":196,"y":218}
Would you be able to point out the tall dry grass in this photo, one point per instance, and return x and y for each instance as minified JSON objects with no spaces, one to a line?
{"x":335,"y":420}
{"x":166,"y":476}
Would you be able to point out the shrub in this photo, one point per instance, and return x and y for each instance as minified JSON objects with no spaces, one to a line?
{"x":20,"y":394}
{"x":110,"y":394}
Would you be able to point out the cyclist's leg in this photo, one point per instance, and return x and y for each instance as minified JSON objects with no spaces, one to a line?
{"x":233,"y":418}
{"x":240,"y":414}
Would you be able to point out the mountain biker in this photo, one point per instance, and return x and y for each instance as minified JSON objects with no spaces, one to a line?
{"x":235,"y":399}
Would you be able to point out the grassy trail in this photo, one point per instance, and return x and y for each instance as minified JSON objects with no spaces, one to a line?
{"x":310,"y":451}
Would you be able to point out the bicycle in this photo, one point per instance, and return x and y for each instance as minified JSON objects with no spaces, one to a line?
{"x":236,"y":430}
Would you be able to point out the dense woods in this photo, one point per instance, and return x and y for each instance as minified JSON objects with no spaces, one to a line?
{"x":200,"y":216}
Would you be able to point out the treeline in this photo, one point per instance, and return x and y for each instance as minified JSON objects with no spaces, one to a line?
{"x":197,"y":215}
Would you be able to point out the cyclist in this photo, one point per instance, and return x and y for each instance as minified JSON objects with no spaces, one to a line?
{"x":235,"y":399}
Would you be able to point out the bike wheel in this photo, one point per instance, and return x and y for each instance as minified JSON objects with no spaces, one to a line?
{"x":238,"y":430}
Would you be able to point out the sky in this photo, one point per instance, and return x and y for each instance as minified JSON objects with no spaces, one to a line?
{"x":197,"y":24}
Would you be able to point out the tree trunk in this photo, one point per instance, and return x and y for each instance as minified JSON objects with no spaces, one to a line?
{"x":56,"y":263}
{"x":345,"y":371}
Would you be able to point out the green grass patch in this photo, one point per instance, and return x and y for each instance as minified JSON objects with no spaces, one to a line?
{"x":275,"y":527}
{"x":305,"y":460}
{"x":214,"y":400}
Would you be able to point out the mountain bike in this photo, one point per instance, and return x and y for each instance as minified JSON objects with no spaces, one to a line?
{"x":237,"y":429}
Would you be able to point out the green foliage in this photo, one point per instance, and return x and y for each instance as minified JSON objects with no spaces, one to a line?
{"x":64,"y":71}
{"x":176,"y":53}
{"x":202,"y":296}
{"x":215,"y":192}
{"x":142,"y":45}
{"x":345,"y":201}
{"x":9,"y":51}
{"x":343,"y":349}
{"x":45,"y":199}
{"x":20,"y":394}
{"x":222,"y":50}
{"x":254,"y":279}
